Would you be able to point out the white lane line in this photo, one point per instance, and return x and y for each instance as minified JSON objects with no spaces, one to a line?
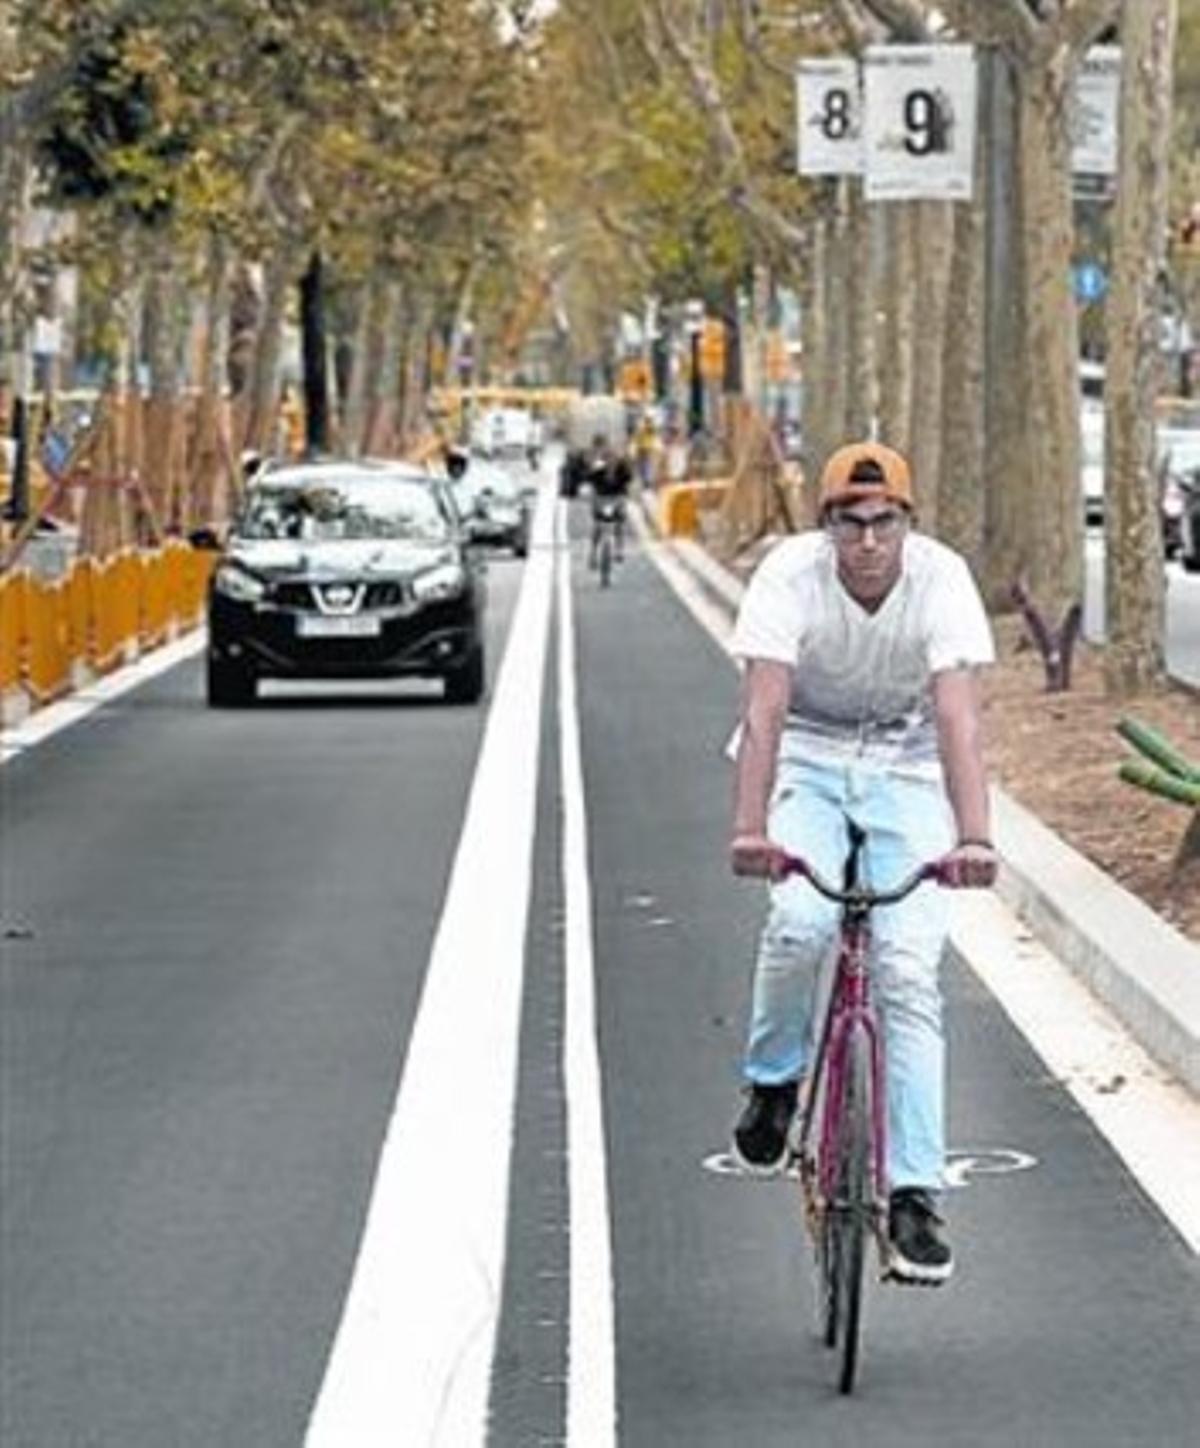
{"x":43,"y":723}
{"x":591,"y":1374}
{"x":1144,"y":1115}
{"x":411,"y":1363}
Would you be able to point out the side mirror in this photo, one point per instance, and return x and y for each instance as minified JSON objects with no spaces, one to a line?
{"x":205,"y":539}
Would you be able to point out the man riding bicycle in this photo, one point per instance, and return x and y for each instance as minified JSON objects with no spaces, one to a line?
{"x":610,"y":475}
{"x":860,"y":643}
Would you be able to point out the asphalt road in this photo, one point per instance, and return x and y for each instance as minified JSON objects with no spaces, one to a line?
{"x":203,"y":1036}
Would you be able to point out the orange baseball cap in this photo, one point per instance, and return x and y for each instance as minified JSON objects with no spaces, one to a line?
{"x":842,"y":480}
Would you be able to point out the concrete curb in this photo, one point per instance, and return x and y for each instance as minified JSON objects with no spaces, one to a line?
{"x":1143,"y":969}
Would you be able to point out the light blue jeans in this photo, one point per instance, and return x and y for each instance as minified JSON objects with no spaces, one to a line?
{"x":907,"y":821}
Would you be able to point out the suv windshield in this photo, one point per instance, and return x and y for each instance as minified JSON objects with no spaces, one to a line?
{"x":329,"y":509}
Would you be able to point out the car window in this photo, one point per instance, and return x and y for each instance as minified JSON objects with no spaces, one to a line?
{"x":1183,"y":455}
{"x":348,"y":509}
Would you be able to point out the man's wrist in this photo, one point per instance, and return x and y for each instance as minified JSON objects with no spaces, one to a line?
{"x":980,"y":842}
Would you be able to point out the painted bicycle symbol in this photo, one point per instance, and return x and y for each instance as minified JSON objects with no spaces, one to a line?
{"x":963,"y":1168}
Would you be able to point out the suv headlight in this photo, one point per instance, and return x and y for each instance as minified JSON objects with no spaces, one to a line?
{"x":447,"y":580}
{"x":236,"y":583}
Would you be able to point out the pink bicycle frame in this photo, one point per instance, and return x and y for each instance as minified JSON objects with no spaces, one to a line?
{"x":850,"y":1011}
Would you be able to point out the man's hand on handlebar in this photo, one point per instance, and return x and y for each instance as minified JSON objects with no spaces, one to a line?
{"x":970,"y":865}
{"x":757,"y":857}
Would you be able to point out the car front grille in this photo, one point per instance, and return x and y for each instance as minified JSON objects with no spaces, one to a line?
{"x":389,"y":594}
{"x":292,"y":595}
{"x":384,"y":593}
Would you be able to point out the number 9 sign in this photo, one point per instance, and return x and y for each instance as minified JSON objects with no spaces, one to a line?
{"x":919,"y":122}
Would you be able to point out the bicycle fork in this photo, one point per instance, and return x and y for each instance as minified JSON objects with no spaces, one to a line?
{"x":848,"y":1017}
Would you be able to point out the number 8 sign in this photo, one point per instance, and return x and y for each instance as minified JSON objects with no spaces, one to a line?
{"x":829,"y":117}
{"x":919,"y":131}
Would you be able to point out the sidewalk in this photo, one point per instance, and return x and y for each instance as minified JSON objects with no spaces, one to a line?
{"x":1140,"y":967}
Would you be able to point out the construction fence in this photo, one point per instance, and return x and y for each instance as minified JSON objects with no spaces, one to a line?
{"x":56,"y":634}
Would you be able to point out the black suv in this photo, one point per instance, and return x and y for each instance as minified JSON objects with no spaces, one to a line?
{"x":345,"y":570}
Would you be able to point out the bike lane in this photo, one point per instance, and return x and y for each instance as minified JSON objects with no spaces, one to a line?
{"x":1075,"y":1310}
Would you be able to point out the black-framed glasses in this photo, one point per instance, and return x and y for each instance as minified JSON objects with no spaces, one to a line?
{"x":853,"y":527}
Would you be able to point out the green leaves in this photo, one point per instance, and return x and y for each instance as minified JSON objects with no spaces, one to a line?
{"x":379,"y":129}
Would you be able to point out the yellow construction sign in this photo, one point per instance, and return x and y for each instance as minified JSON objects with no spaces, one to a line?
{"x":712,"y":350}
{"x":778,"y":362}
{"x":634,"y":381}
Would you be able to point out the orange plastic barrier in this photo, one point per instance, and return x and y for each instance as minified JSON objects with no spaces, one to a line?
{"x":201,"y":565}
{"x":79,"y":611}
{"x":12,"y":621}
{"x":103,"y":612}
{"x":48,"y":639}
{"x":188,"y":572}
{"x":154,"y":601}
{"x":680,"y":504}
{"x":115,"y":610}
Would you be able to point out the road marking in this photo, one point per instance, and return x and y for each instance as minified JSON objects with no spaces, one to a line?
{"x":965,"y":1167}
{"x":962,"y":1167}
{"x":43,"y":723}
{"x":1086,"y":1048}
{"x":411,"y":1362}
{"x":591,"y":1378}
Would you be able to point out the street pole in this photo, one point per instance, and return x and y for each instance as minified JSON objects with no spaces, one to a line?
{"x":694,"y":322}
{"x":696,"y":391}
{"x":18,"y":502}
{"x":316,"y":380}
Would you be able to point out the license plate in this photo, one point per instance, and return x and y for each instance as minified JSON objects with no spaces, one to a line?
{"x":321,"y":626}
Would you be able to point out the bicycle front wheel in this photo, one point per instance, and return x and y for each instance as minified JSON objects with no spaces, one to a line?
{"x":848,"y":1217}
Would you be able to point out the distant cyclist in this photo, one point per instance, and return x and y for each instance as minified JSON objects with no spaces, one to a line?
{"x":861,"y":642}
{"x":610,"y":475}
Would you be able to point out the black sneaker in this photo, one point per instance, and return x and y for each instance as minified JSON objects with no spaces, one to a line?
{"x":760,"y":1138}
{"x":920,"y":1254}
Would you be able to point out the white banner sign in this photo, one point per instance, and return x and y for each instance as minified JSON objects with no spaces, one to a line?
{"x":919,"y":122}
{"x":47,"y":336}
{"x":829,"y":117}
{"x":1094,"y":111}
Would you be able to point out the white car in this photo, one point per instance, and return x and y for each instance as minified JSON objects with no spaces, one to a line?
{"x":1178,"y":454}
{"x":1179,"y":449}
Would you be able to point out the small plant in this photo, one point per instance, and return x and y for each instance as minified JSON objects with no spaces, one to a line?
{"x":1167,"y":772}
{"x":1056,"y":646}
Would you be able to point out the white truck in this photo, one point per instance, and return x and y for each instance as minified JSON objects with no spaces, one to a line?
{"x":502,"y":432}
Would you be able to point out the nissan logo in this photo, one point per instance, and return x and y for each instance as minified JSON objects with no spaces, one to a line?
{"x":339,"y":595}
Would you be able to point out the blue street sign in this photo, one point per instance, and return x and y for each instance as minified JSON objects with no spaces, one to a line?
{"x":1091,"y":281}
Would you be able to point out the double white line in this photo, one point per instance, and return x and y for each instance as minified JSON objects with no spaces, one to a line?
{"x":412,"y":1360}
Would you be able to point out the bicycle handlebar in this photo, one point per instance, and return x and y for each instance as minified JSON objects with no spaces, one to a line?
{"x":860,"y":895}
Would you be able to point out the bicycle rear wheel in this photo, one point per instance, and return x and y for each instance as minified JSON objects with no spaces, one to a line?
{"x":848,"y":1217}
{"x":605,"y":561}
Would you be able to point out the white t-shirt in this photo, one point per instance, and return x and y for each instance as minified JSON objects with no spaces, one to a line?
{"x":861,"y":688}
